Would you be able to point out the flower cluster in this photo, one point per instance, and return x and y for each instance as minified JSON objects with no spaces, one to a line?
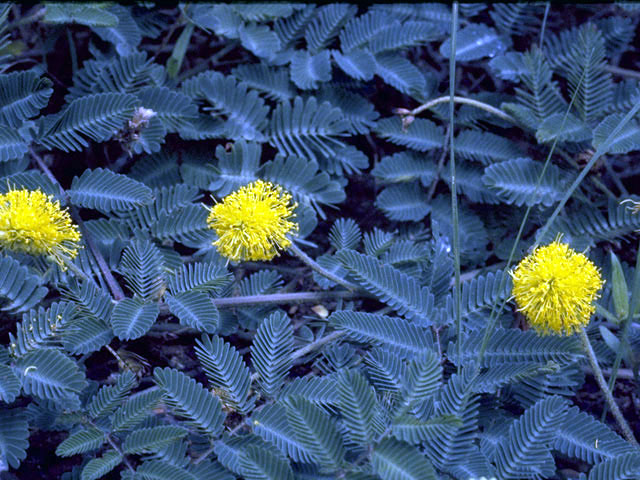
{"x":252,"y":223}
{"x":31,"y":222}
{"x":555,"y":288}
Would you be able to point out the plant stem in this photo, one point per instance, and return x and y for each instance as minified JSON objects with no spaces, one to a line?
{"x":326,"y":273}
{"x":454,"y":193}
{"x":230,"y":302}
{"x":597,"y":372}
{"x":468,"y":101}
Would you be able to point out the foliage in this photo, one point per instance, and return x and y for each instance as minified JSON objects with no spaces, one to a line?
{"x":154,"y":353}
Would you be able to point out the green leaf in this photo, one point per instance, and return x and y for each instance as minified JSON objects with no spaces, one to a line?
{"x":143,"y":269}
{"x":413,"y":431}
{"x":316,"y":431}
{"x":271,"y":424}
{"x":307,"y":70}
{"x":80,"y":442}
{"x":405,"y":202}
{"x":395,"y":460}
{"x":97,"y":117}
{"x":22,"y":96}
{"x":400,"y":73}
{"x":515,"y":182}
{"x":473,"y":42}
{"x":400,"y":291}
{"x":132,"y":318}
{"x":358,"y":64}
{"x":18,"y":285}
{"x":98,"y":467}
{"x":619,"y":289}
{"x":83,"y":14}
{"x":137,"y":408}
{"x":526,"y":451}
{"x":107,"y":191}
{"x":271,"y":352}
{"x":149,"y":440}
{"x":190,"y":399}
{"x":404,"y":337}
{"x":627,"y":140}
{"x":225,"y":370}
{"x":260,"y":40}
{"x":574,"y":130}
{"x":421,"y":135}
{"x":359,"y":407}
{"x":108,"y":398}
{"x":622,"y":467}
{"x":14,"y":438}
{"x":49,"y":374}
{"x":259,"y":464}
{"x":12,"y":145}
{"x":9,"y":384}
{"x":195,"y":310}
{"x":423,"y":379}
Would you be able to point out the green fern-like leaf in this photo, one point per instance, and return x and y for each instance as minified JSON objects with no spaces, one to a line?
{"x":190,"y":399}
{"x":405,"y":202}
{"x":414,"y":431}
{"x":359,"y":407}
{"x":80,"y":442}
{"x":98,"y":467}
{"x":83,"y":14}
{"x":582,"y":436}
{"x":135,"y":410}
{"x":307,"y":70}
{"x":318,"y":390}
{"x":149,"y":440}
{"x":49,"y":374}
{"x":517,"y":346}
{"x":226,"y":371}
{"x":195,"y":310}
{"x":12,"y":145}
{"x":405,"y":338}
{"x":316,"y":431}
{"x":108,"y":398}
{"x":587,"y":78}
{"x":132,"y":318}
{"x":405,"y":167}
{"x":421,"y":135}
{"x":22,"y":95}
{"x":271,"y":424}
{"x":303,"y":180}
{"x":473,"y":42}
{"x":326,"y":24}
{"x":400,"y":291}
{"x":107,"y":191}
{"x":402,"y":75}
{"x":485,"y":147}
{"x":9,"y":384}
{"x":97,"y":117}
{"x":142,"y":267}
{"x":395,"y":460}
{"x":515,"y":181}
{"x":271,"y":352}
{"x":423,"y":379}
{"x":244,"y":110}
{"x":22,"y":289}
{"x":260,"y":464}
{"x":525,"y":452}
{"x":622,"y":467}
{"x":273,"y":82}
{"x":345,"y":233}
{"x":307,"y":129}
{"x":14,"y":436}
{"x":41,"y":328}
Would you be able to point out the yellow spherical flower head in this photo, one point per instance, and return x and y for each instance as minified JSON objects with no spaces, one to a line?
{"x":31,"y":222}
{"x":555,"y":288}
{"x":252,"y":223}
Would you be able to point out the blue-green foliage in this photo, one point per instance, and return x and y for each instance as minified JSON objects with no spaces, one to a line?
{"x":153,"y":357}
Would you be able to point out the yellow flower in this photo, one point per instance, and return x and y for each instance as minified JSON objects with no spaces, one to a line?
{"x":30,"y":222}
{"x":555,"y":288}
{"x":252,"y":222}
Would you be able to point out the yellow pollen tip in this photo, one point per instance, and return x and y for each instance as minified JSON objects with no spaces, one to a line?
{"x":252,"y":223}
{"x":31,"y":222}
{"x":555,"y":288}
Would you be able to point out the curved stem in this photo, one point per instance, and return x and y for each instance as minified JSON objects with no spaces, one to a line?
{"x":597,"y":372}
{"x":467,"y":101}
{"x":322,"y":271}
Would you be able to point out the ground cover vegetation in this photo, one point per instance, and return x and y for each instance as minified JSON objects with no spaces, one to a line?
{"x":292,"y":241}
